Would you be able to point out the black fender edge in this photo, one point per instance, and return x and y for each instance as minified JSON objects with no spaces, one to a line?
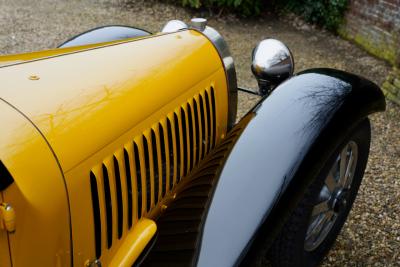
{"x":104,"y":34}
{"x":261,"y":181}
{"x":243,"y":192}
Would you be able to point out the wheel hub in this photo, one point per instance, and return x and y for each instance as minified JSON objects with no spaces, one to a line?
{"x":333,"y":197}
{"x":338,"y":201}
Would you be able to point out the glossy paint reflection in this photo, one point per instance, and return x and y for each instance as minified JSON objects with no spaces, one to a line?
{"x":270,"y":151}
{"x":104,"y":34}
{"x":252,"y":178}
{"x":84,"y":101}
{"x":41,"y":207}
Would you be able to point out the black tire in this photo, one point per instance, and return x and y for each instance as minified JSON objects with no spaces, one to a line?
{"x":288,"y":248}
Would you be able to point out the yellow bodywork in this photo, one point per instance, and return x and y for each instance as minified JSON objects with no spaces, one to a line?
{"x":92,"y":104}
{"x":7,"y":60}
{"x":38,"y":196}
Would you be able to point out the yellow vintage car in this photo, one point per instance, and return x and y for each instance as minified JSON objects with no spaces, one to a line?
{"x":121,"y":148}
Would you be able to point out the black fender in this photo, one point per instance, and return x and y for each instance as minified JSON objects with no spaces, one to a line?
{"x":259,"y":181}
{"x":104,"y":34}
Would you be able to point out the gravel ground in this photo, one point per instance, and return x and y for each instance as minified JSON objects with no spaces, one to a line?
{"x":371,"y":236}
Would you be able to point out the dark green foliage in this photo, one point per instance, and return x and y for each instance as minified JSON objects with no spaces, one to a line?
{"x":244,"y":7}
{"x":327,"y":13}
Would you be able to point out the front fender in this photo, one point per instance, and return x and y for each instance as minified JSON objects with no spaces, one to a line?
{"x":104,"y":34}
{"x":259,"y":183}
{"x":297,"y":116}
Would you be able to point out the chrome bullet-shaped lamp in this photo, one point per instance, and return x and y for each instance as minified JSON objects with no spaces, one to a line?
{"x":272,"y":63}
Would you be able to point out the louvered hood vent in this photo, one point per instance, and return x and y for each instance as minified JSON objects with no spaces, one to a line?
{"x":128,"y":184}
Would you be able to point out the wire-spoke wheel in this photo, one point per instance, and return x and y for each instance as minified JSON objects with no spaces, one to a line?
{"x":314,"y":225}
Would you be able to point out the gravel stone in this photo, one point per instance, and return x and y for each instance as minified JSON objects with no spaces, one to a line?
{"x":371,"y":235}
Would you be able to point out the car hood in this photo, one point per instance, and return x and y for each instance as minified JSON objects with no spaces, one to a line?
{"x":84,"y":100}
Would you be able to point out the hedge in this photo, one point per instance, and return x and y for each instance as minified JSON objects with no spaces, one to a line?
{"x":326,"y":13}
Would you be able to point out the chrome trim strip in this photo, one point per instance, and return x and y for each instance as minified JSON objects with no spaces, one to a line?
{"x":230,"y":71}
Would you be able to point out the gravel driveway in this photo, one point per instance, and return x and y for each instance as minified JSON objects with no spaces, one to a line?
{"x":371,"y":236}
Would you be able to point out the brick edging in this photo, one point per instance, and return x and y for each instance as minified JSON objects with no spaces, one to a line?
{"x":391,"y":87}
